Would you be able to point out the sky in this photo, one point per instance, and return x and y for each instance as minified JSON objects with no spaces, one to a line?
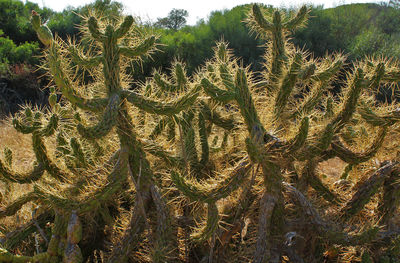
{"x":153,"y":9}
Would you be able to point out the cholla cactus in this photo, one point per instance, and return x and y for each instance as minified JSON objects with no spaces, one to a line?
{"x":277,"y":126}
{"x":287,"y":128}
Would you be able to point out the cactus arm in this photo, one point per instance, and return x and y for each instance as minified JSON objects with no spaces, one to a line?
{"x":312,"y":100}
{"x":329,"y":72}
{"x":215,"y":93}
{"x":157,"y":151}
{"x":260,"y":20}
{"x":299,"y":140}
{"x":391,"y":76}
{"x":226,"y":77}
{"x":298,"y":20}
{"x":162,"y":108}
{"x":63,"y":82}
{"x":355,"y":158}
{"x":162,"y":123}
{"x":42,"y":157}
{"x":50,"y":127}
{"x":107,"y":122}
{"x":84,"y":61}
{"x":211,"y":225}
{"x":367,"y":190}
{"x":30,"y":177}
{"x":222,"y":190}
{"x":378,"y":75}
{"x":16,"y":205}
{"x":94,"y":29}
{"x":350,"y":103}
{"x":180,"y":76}
{"x":375,"y":120}
{"x":115,"y":180}
{"x":246,"y":104}
{"x":24,"y":129}
{"x":57,"y":72}
{"x":162,"y":83}
{"x":138,"y":50}
{"x":214,"y":117}
{"x":78,"y":152}
{"x":205,"y":148}
{"x":124,"y":27}
{"x":287,"y":86}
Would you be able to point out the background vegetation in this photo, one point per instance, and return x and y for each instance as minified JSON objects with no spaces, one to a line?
{"x":356,"y":29}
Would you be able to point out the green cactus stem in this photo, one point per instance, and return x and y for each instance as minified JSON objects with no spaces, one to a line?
{"x":367,"y":190}
{"x":16,"y":205}
{"x":29,"y":177}
{"x":300,"y":139}
{"x":222,"y":190}
{"x":107,"y":122}
{"x":375,"y":120}
{"x":82,"y":60}
{"x":211,"y":225}
{"x":350,"y":103}
{"x":355,"y":158}
{"x":162,"y":108}
{"x":217,"y":94}
{"x":391,"y":197}
{"x":287,"y":85}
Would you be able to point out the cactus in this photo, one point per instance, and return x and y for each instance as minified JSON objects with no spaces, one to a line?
{"x":168,"y":164}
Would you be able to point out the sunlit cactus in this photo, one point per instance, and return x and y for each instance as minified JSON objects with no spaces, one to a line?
{"x":223,"y":165}
{"x":293,"y":122}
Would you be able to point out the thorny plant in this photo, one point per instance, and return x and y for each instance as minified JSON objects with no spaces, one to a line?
{"x":229,"y":145}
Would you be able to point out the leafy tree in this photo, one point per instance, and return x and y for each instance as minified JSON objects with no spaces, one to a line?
{"x":175,"y":20}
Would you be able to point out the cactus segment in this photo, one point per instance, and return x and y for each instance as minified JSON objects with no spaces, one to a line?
{"x":222,"y":190}
{"x":107,"y":122}
{"x":83,"y":61}
{"x":367,"y":190}
{"x":211,"y":225}
{"x":214,"y":117}
{"x":16,"y":205}
{"x":163,"y":84}
{"x":30,"y":177}
{"x":299,"y":140}
{"x":355,"y":158}
{"x":140,"y":49}
{"x":375,"y":120}
{"x":246,"y":104}
{"x":298,"y":20}
{"x":124,"y":27}
{"x":42,"y":31}
{"x":287,"y":86}
{"x":162,"y":108}
{"x":261,"y":21}
{"x":24,"y":129}
{"x":205,"y":149}
{"x":215,"y":93}
{"x":50,"y":127}
{"x":350,"y":103}
{"x":94,"y":29}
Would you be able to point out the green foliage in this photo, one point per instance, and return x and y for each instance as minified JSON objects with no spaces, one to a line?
{"x":175,"y":20}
